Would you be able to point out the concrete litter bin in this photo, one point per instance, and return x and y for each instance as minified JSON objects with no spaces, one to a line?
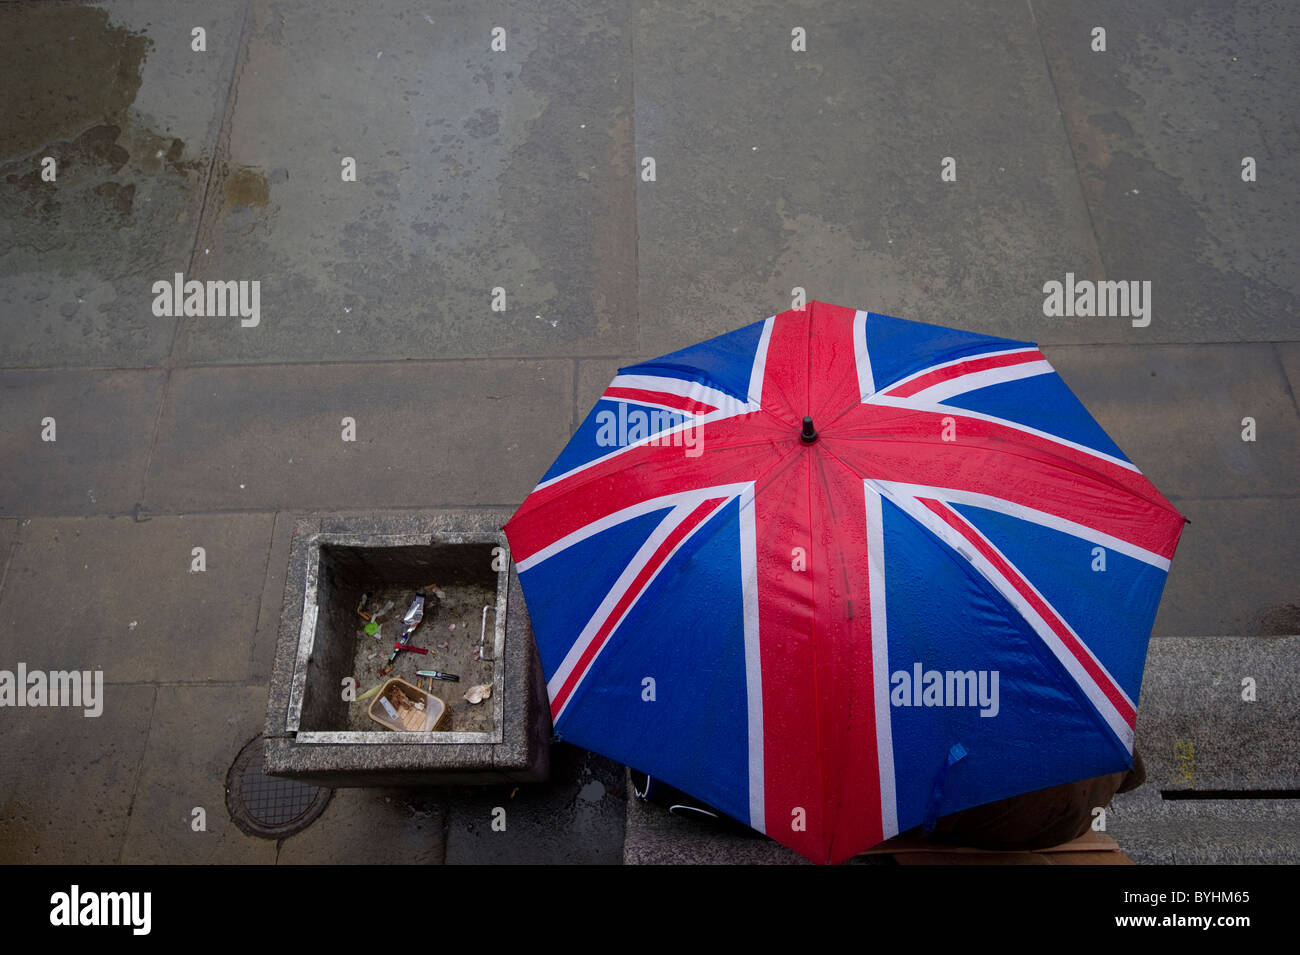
{"x":344,"y":569}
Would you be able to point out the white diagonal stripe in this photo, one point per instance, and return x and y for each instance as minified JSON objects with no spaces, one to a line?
{"x":687,"y":499}
{"x":880,"y":662}
{"x":753,"y":658}
{"x":692,"y":390}
{"x":760,"y":364}
{"x":1042,"y":518}
{"x":982,"y":379}
{"x":862,"y":357}
{"x":957,"y":361}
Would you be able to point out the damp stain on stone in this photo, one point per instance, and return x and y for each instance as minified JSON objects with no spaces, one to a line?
{"x":1279,"y":621}
{"x":484,"y":123}
{"x":119,"y":198}
{"x":97,"y":146}
{"x":73,"y":78}
{"x":66,"y":69}
{"x":247,"y":186}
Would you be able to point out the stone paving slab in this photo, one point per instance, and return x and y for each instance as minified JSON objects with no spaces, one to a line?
{"x":575,"y":818}
{"x":111,"y":593}
{"x":1257,"y":832}
{"x":1177,"y":410}
{"x":67,"y":780}
{"x":655,"y":836}
{"x":130,"y":112}
{"x":1195,"y":729}
{"x":102,"y":426}
{"x":1234,"y":572}
{"x":1159,"y":124}
{"x":195,"y":735}
{"x":427,"y":435}
{"x":475,"y":170}
{"x":372,"y":827}
{"x":821,"y":169}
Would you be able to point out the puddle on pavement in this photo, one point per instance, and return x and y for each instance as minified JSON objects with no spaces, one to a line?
{"x":66,"y":70}
{"x":72,"y":79}
{"x":450,"y":650}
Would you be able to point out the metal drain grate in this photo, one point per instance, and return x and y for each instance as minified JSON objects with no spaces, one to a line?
{"x":269,"y":806}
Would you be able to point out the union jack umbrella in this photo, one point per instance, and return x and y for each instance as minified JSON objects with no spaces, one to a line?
{"x":837,"y":574}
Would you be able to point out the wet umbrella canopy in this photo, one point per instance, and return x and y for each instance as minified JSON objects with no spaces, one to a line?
{"x":838,"y":574}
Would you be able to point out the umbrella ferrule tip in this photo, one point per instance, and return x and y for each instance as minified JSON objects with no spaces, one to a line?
{"x":809,"y":433}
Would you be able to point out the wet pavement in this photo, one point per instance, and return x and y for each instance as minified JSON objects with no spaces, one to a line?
{"x":519,"y":177}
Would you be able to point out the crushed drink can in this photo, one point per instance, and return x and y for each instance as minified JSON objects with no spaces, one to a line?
{"x":414,"y":615}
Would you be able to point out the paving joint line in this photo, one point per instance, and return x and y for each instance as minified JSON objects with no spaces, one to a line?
{"x":636,"y":178}
{"x":350,"y":510}
{"x":220,"y":152}
{"x":139,"y":772}
{"x":415,"y":362}
{"x":9,"y":558}
{"x":1286,"y":379}
{"x":261,"y":597}
{"x":220,"y":149}
{"x":1069,"y":141}
{"x":573,"y":417}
